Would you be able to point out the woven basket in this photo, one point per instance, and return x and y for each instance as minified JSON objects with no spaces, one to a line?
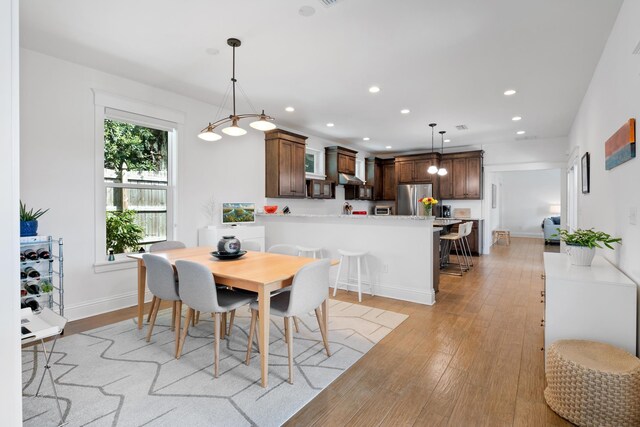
{"x":593,"y":384}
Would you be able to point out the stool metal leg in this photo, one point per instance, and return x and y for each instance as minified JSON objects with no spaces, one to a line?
{"x":335,"y":286}
{"x":466,"y":240}
{"x":359,"y":282}
{"x":366,"y":265}
{"x":47,"y":368}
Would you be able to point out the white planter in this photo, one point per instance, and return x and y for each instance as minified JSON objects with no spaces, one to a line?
{"x":581,"y":255}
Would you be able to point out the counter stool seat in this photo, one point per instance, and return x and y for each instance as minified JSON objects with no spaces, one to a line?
{"x":360,"y":257}
{"x":593,"y":384}
{"x":314,"y":251}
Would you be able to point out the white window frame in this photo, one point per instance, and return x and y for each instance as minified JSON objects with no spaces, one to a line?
{"x":109,"y":106}
{"x":318,"y":164}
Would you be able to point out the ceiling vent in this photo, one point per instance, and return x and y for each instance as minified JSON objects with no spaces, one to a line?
{"x":329,"y":3}
{"x":636,"y":51}
{"x":462,"y":127}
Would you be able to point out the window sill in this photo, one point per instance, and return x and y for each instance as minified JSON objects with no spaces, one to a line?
{"x":119,"y":264}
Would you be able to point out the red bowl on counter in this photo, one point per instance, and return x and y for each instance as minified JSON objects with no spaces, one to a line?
{"x":270,"y":209}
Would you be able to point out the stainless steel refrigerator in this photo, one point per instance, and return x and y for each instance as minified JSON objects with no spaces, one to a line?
{"x":408,"y":196}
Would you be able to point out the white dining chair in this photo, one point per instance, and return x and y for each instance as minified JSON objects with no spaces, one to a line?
{"x":162,"y":283}
{"x":284,"y":249}
{"x":309,"y":289}
{"x":159,"y":247}
{"x":199,"y":292}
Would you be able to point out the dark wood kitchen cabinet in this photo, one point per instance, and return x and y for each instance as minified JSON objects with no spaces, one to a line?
{"x":464,"y":178}
{"x":284,"y":164}
{"x":474,"y":238}
{"x":380,"y":174}
{"x":413,"y":169}
{"x":339,"y":160}
{"x":320,"y":189}
{"x":358,"y":192}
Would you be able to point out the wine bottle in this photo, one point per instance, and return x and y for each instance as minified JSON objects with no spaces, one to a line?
{"x":22,"y":257}
{"x":43,"y":253}
{"x":23,"y":274}
{"x":32,"y":272}
{"x":31,"y":254}
{"x":33,"y":289}
{"x":32,"y":303}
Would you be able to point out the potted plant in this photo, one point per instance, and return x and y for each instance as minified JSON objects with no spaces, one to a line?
{"x":582,"y":244}
{"x":123,"y":233}
{"x":29,"y":220}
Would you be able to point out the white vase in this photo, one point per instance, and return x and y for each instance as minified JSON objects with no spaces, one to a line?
{"x":581,"y":255}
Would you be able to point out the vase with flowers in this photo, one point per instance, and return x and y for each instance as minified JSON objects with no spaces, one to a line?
{"x":428,"y":203}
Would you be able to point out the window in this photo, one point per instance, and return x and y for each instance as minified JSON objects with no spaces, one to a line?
{"x":135,"y":152}
{"x":314,"y":163}
{"x":136,"y":160}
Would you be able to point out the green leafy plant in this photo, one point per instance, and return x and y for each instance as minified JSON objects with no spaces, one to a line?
{"x":122,"y":231}
{"x":588,"y":238}
{"x":30,"y":215}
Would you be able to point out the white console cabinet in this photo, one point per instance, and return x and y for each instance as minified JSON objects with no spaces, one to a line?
{"x":597,"y":303}
{"x":249,"y":234}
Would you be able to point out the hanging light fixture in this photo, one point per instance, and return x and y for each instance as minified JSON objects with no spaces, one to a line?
{"x":262,"y":123}
{"x":442,"y":171}
{"x":433,"y":168}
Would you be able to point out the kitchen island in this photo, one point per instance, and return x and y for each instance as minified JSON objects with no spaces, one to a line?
{"x":400,"y":248}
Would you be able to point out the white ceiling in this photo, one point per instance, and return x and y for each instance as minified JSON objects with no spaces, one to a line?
{"x":447,"y":61}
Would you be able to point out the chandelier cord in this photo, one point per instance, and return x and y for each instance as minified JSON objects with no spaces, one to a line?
{"x":432,"y":130}
{"x":246,"y":98}
{"x":224,"y":101}
{"x":233,"y":79}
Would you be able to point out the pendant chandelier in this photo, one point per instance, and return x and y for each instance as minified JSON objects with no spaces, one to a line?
{"x":442,"y":171}
{"x":262,"y":123}
{"x":433,"y":168}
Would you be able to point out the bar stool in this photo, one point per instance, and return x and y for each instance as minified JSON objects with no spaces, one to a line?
{"x":465,"y":244}
{"x":316,"y":253}
{"x":358,"y":256}
{"x":455,"y":238}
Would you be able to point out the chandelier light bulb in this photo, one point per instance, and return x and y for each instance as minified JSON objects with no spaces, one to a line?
{"x":432,"y":169}
{"x":262,"y":124}
{"x":442,"y":172}
{"x":234,"y":129}
{"x":208,"y":134}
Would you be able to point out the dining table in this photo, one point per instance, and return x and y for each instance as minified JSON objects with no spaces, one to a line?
{"x":260,"y":272}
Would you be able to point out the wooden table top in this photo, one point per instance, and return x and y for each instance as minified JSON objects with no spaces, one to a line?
{"x":254,"y":268}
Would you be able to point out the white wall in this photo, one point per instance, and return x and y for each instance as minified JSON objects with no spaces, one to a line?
{"x":525,"y":200}
{"x":10,"y":360}
{"x":612,"y":98}
{"x":58,"y":171}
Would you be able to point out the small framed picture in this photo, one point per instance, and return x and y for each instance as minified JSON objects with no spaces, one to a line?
{"x":586,"y":179}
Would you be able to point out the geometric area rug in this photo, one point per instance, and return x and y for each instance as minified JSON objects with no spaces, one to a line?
{"x":110,"y":376}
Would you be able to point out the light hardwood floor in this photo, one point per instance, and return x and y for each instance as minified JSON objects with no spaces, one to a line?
{"x":474,"y":358}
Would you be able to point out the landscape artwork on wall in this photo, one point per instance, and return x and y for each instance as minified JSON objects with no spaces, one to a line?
{"x":621,"y":147}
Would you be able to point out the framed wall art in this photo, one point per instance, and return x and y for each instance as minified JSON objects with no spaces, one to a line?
{"x":586,"y":176}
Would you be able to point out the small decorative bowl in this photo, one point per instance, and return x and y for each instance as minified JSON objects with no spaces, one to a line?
{"x":270,"y":209}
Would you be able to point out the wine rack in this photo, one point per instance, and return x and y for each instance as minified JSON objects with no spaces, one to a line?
{"x":44,"y":281}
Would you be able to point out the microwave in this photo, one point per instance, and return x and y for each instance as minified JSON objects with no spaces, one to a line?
{"x":383,"y":210}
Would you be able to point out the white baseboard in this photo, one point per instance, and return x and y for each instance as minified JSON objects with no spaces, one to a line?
{"x":527,"y":234}
{"x":394,"y":292}
{"x":103,"y":305}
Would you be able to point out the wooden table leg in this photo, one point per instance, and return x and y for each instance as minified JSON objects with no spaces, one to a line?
{"x":264,"y":303}
{"x":142,"y":283}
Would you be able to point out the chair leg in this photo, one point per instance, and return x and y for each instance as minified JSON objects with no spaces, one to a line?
{"x":197,"y":318}
{"x":185,"y":329}
{"x":173,"y":315}
{"x":252,"y":328}
{"x":286,"y":329}
{"x":223,"y":326}
{"x":287,"y":322}
{"x":177,"y":324}
{"x":154,"y":314}
{"x":319,"y":316}
{"x":295,"y":324}
{"x":231,"y":318}
{"x":335,"y":286}
{"x":216,"y":343}
{"x":359,"y":281}
{"x":366,"y":266}
{"x":153,"y":302}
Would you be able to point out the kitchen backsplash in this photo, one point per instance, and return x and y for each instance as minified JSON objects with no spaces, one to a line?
{"x":474,"y":205}
{"x":319,"y":206}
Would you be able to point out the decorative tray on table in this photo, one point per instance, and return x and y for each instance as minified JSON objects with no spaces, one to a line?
{"x":227,"y":256}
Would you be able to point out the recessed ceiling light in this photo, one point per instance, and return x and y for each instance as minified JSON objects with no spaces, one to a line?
{"x":306,"y":11}
{"x":447,"y":140}
{"x":516,"y":118}
{"x":330,"y":125}
{"x":212,"y":51}
{"x":388,"y":147}
{"x":510,"y":92}
{"x":405,"y":111}
{"x":521,"y":132}
{"x":366,"y":138}
{"x":374,"y":89}
{"x":290,"y":109}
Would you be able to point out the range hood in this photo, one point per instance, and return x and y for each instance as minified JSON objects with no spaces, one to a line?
{"x":346,"y":179}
